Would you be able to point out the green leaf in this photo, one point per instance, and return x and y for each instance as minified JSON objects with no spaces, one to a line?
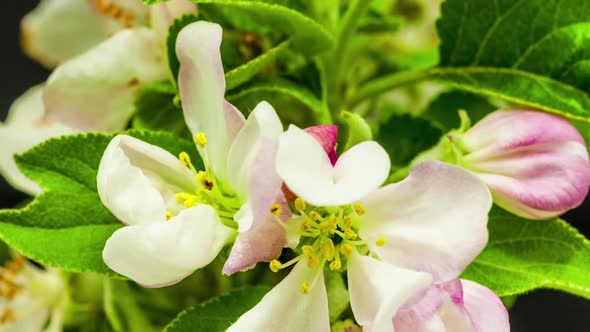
{"x":357,"y":129}
{"x":535,"y":52}
{"x":173,"y":31}
{"x":338,"y":299}
{"x":307,"y":35}
{"x":67,"y":226}
{"x":523,"y":255}
{"x":405,"y":136}
{"x":444,"y":109}
{"x":219,"y":313}
{"x":156,"y":109}
{"x":245,"y":72}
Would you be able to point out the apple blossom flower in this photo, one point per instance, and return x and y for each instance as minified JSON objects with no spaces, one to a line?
{"x":535,"y":164}
{"x":179,"y":217}
{"x":25,"y":127}
{"x":95,"y":90}
{"x":29,"y":297}
{"x":420,"y":232}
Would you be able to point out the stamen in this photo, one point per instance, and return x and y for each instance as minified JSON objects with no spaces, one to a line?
{"x":327,"y":248}
{"x":350,"y":234}
{"x":201,"y":139}
{"x":275,"y":265}
{"x":305,"y":287}
{"x":380,"y":242}
{"x":185,"y":159}
{"x":346,"y":249}
{"x":6,"y":316}
{"x":335,"y":265}
{"x":300,"y":204}
{"x":314,"y":216}
{"x":359,"y":209}
{"x":347,"y":222}
{"x":276,"y":209}
{"x":203,"y":179}
{"x":168,"y":215}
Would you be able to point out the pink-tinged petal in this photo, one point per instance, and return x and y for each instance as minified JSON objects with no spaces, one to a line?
{"x":165,"y":252}
{"x":538,"y":182}
{"x":261,"y":243}
{"x":327,"y":135}
{"x":420,"y":308}
{"x":58,"y":30}
{"x":378,"y":290}
{"x":307,"y":170}
{"x":485,"y":308}
{"x":435,"y":220}
{"x":164,"y":13}
{"x":285,"y":308}
{"x":138,"y":181}
{"x":23,"y":129}
{"x":201,"y":85}
{"x":508,"y":129}
{"x":95,"y":90}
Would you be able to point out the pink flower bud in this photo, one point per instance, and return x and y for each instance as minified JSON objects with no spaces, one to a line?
{"x":535,"y":164}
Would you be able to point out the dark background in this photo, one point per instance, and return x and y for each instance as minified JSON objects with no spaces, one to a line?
{"x":539,"y":311}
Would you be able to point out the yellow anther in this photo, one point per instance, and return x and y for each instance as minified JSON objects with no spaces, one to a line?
{"x":305,"y":288}
{"x":276,"y":209}
{"x":328,"y":226}
{"x":300,"y":204}
{"x":201,"y":139}
{"x":359,"y":209}
{"x":304,"y":226}
{"x":189,"y":202}
{"x":380,"y":242}
{"x":335,"y":265}
{"x":347,"y":221}
{"x":314,"y":215}
{"x":168,"y":215}
{"x":346,"y":249}
{"x":350,"y":234}
{"x":307,"y":252}
{"x":182,"y":197}
{"x":313,"y":262}
{"x":203,"y":178}
{"x":275,"y":265}
{"x":327,"y":248}
{"x":185,"y":159}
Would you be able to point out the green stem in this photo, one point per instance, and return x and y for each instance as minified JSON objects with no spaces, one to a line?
{"x":387,"y":83}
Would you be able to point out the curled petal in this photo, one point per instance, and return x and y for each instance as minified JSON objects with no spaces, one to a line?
{"x":23,"y":129}
{"x":536,"y":164}
{"x":307,"y":170}
{"x":201,"y":85}
{"x":137,"y":181}
{"x":485,"y":308}
{"x":435,"y":220}
{"x":327,"y":135}
{"x":58,"y":30}
{"x":378,"y":289}
{"x":95,"y":90}
{"x":286,"y":308}
{"x":165,"y":252}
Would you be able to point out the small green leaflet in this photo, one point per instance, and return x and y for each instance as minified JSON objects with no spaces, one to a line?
{"x":523,"y":255}
{"x":67,"y":225}
{"x":534,"y":53}
{"x":219,"y":313}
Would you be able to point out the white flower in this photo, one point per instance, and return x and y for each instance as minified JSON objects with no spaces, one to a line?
{"x":425,"y":229}
{"x":178,"y":215}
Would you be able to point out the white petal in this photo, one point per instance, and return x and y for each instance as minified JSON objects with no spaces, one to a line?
{"x":286,"y":309}
{"x":95,"y":91}
{"x":435,"y":220}
{"x":485,"y":308}
{"x":137,"y":181}
{"x":163,"y":253}
{"x":201,"y":85}
{"x":23,"y":129}
{"x":378,"y":290}
{"x":58,"y":30}
{"x":307,"y":171}
{"x":263,"y":123}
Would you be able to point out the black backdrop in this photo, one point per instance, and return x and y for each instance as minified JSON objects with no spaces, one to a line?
{"x":539,"y":311}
